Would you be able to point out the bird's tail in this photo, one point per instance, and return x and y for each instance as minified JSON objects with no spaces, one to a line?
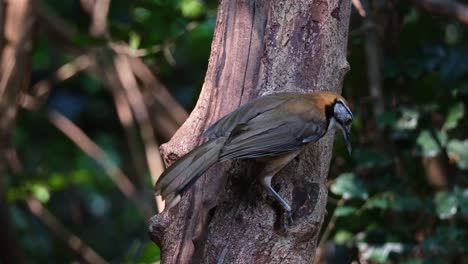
{"x":184,"y":172}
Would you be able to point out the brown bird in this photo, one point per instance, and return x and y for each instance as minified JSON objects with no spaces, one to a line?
{"x":274,"y":129}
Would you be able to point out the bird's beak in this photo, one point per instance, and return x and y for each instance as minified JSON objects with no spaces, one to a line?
{"x":347,"y":137}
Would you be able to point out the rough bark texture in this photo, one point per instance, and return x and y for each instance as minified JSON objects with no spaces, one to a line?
{"x":259,"y":47}
{"x":15,"y":49}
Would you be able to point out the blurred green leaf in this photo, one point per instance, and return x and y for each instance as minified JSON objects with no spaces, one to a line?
{"x":134,"y":40}
{"x":40,"y":192}
{"x":379,"y":253}
{"x":344,"y":211}
{"x":191,"y":8}
{"x":343,"y":236}
{"x":380,"y":202}
{"x":349,"y":186}
{"x":150,"y":253}
{"x":458,"y":151}
{"x":408,"y":120}
{"x":446,"y":204}
{"x":428,"y":144}
{"x":462,"y":198}
{"x":456,"y":112}
{"x":57,"y":181}
{"x":141,"y":14}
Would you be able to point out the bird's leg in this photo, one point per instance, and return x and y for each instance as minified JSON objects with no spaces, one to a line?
{"x":287,"y":218}
{"x":272,"y":166}
{"x":266,"y":181}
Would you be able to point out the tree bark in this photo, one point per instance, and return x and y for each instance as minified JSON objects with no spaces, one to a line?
{"x":259,"y":47}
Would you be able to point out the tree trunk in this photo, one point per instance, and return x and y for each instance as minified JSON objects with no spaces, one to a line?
{"x":16,"y":23}
{"x":259,"y":47}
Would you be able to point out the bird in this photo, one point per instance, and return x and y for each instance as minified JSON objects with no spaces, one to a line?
{"x":272,"y":129}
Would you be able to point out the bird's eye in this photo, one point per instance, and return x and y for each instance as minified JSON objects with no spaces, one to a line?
{"x":348,"y":121}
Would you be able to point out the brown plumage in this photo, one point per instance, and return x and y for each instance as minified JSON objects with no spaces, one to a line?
{"x":273,"y":128}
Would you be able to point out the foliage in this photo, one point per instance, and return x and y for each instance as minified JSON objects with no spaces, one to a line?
{"x":394,"y":211}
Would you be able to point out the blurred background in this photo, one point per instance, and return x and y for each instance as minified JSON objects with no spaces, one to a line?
{"x":112,"y":80}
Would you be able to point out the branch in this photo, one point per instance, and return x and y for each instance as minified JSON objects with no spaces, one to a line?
{"x":451,"y":9}
{"x":359,"y":7}
{"x":168,"y":114}
{"x":75,"y":134}
{"x":137,"y":103}
{"x":41,"y":89}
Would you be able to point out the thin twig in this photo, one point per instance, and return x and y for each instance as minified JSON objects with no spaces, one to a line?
{"x":167,"y":114}
{"x":124,"y":113}
{"x":137,"y":103}
{"x":75,"y":134}
{"x":42,"y":88}
{"x":358,"y":5}
{"x":99,"y":17}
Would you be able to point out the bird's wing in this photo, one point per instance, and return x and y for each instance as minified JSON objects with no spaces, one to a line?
{"x":245,"y":113}
{"x":273,"y":133}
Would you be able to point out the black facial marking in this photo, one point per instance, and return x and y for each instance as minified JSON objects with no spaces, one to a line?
{"x":329,"y":112}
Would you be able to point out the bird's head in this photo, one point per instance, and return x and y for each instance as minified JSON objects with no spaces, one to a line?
{"x":343,"y":118}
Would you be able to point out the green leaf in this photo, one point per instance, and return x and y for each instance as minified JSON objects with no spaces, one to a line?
{"x":40,"y":192}
{"x":462,"y":197}
{"x":458,"y":151}
{"x":57,"y":181}
{"x":192,"y":8}
{"x":380,"y":202}
{"x":134,"y":40}
{"x":408,"y":120}
{"x":151,"y":254}
{"x":379,"y":253}
{"x":344,"y":211}
{"x":428,"y":144}
{"x":446,"y":204}
{"x":343,"y":236}
{"x":349,"y":186}
{"x":456,"y":113}
{"x":141,"y":15}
